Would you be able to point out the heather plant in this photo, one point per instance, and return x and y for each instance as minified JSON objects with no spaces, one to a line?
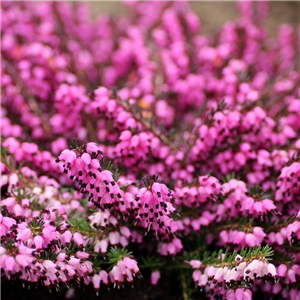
{"x":137,"y":144}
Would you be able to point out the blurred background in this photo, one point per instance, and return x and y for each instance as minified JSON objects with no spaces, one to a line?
{"x":215,"y":13}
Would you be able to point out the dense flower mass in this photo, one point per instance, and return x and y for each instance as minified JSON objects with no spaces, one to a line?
{"x":139,"y":143}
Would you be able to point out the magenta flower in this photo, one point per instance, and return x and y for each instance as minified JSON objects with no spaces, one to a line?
{"x":155,"y":207}
{"x":171,"y":248}
{"x":6,"y":224}
{"x":155,"y":276}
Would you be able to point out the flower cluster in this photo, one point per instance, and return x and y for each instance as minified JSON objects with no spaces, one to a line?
{"x":242,"y":272}
{"x":126,"y":268}
{"x":239,"y":270}
{"x":154,"y":207}
{"x":83,"y":166}
{"x":186,"y":149}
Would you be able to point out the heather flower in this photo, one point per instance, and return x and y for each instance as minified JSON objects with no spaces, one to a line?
{"x":155,"y":207}
{"x":6,"y":224}
{"x":172,"y":248}
{"x":196,"y":264}
{"x":78,"y":239}
{"x":155,"y":276}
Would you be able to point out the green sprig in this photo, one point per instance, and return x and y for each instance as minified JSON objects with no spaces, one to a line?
{"x":115,"y":254}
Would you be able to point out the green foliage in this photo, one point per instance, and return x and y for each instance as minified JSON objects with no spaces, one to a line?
{"x":152,"y":262}
{"x":115,"y":254}
{"x":284,"y":258}
{"x":229,"y":177}
{"x":20,"y":193}
{"x":81,"y":225}
{"x":7,"y":161}
{"x":50,"y":254}
{"x":124,"y":187}
{"x":110,"y":167}
{"x":220,"y":258}
{"x":36,"y":223}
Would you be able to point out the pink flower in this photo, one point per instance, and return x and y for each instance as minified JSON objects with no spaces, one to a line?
{"x":101,"y":246}
{"x":281,"y":270}
{"x":155,"y":276}
{"x":103,"y":276}
{"x":10,"y":264}
{"x":125,"y":269}
{"x":6,"y":224}
{"x":96,"y":281}
{"x":195,"y":264}
{"x":82,"y":254}
{"x":24,"y":260}
{"x":38,"y":242}
{"x":78,"y":239}
{"x":66,"y":237}
{"x":114,"y":238}
{"x":24,"y":234}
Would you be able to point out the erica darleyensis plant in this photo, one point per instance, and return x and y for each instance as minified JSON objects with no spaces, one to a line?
{"x":139,"y":146}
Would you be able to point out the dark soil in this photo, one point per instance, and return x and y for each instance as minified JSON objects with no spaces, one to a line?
{"x":142,"y":290}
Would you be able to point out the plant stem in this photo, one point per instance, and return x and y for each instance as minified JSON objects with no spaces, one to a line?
{"x":184,"y":287}
{"x":146,"y":124}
